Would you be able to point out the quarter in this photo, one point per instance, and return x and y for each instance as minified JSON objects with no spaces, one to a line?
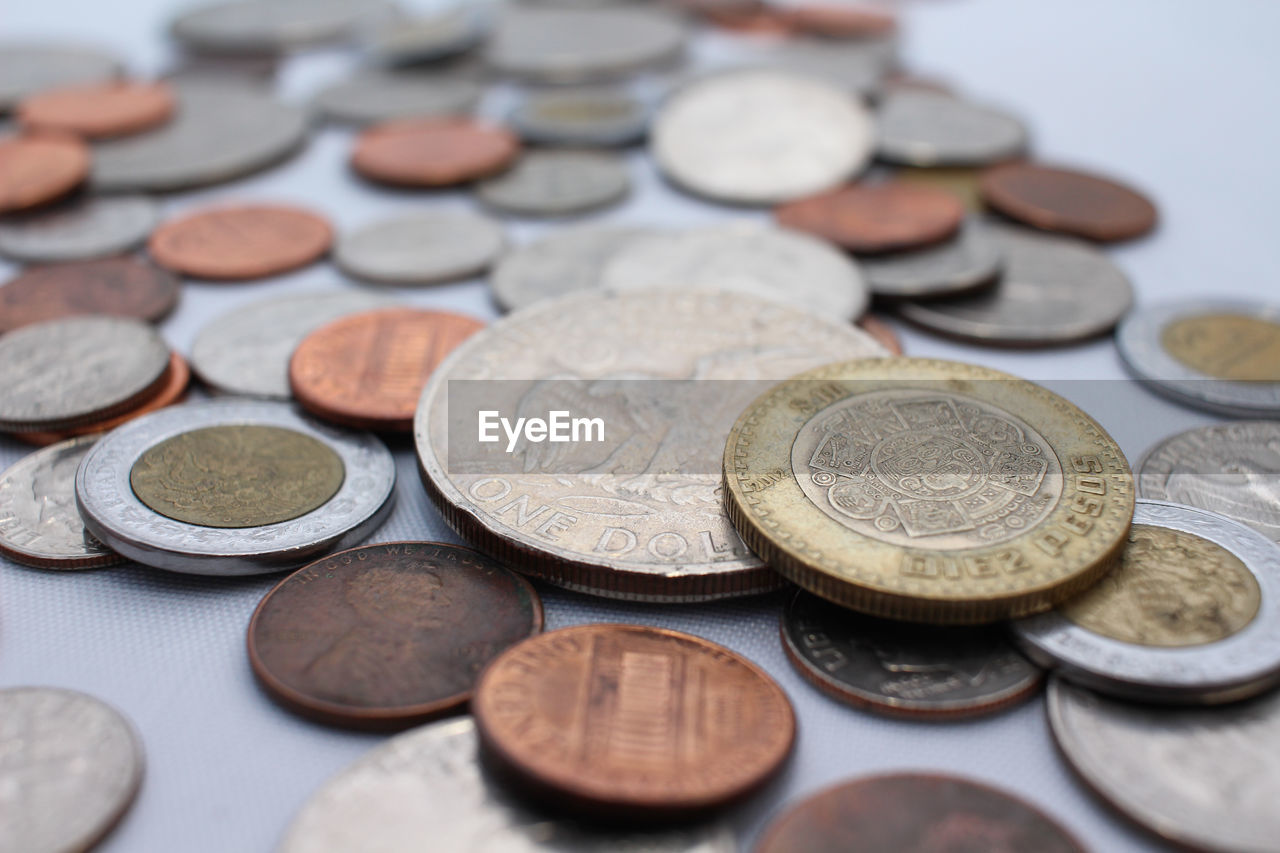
{"x":918,"y":128}
{"x":967,"y":261}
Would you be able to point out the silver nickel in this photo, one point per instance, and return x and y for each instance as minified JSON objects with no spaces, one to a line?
{"x":919,"y":128}
{"x":587,"y":117}
{"x":29,"y":67}
{"x":566,"y":260}
{"x":402,"y":40}
{"x":248,"y":26}
{"x":85,"y":228}
{"x":421,"y":248}
{"x":967,"y":261}
{"x":557,"y":183}
{"x":383,"y":95}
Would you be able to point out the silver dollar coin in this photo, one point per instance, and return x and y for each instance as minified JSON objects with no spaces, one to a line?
{"x":249,"y":26}
{"x":1190,"y":614}
{"x":114,"y":514}
{"x":27,"y":67}
{"x":918,"y":128}
{"x":1053,"y":290}
{"x":421,"y":248}
{"x":379,"y":95}
{"x":596,"y":116}
{"x":39,"y":523}
{"x":566,"y":260}
{"x":1217,"y":354}
{"x":1207,"y":778}
{"x":771,"y":263}
{"x":1233,"y":469}
{"x":84,"y":228}
{"x":557,"y":183}
{"x":761,"y":136}
{"x":967,"y":261}
{"x":428,"y":784}
{"x":65,"y":373}
{"x":404,"y":40}
{"x":70,"y":766}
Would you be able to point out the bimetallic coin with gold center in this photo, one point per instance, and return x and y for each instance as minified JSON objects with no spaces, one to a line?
{"x":1226,"y":346}
{"x":927,"y":490}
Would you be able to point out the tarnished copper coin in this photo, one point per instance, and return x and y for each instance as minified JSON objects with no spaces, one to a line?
{"x":388,"y":635}
{"x":39,"y":168}
{"x":836,"y":21}
{"x":433,"y":152}
{"x":368,"y":370}
{"x":873,"y":218}
{"x":235,"y":243}
{"x":116,"y":287}
{"x":882,"y":332}
{"x":103,"y":110}
{"x":629,"y":720}
{"x":1068,"y":201}
{"x":918,"y":813}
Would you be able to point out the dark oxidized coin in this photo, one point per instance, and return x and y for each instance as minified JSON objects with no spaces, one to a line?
{"x":1068,"y":201}
{"x":117,"y":287}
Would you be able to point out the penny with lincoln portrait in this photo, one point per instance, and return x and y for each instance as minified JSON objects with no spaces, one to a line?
{"x":389,"y":635}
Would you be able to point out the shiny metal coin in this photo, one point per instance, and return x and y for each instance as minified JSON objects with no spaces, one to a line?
{"x":557,"y":183}
{"x":220,"y":132}
{"x":760,"y":136}
{"x":1207,"y":778}
{"x":401,"y":40}
{"x":1053,"y":290}
{"x":771,"y":263}
{"x":1222,"y":355}
{"x":114,"y":513}
{"x":604,"y":117}
{"x":84,"y":228}
{"x":428,"y":783}
{"x":1189,"y":615}
{"x":368,"y":97}
{"x":856,"y":66}
{"x":919,"y":128}
{"x":70,"y":767}
{"x":248,"y":26}
{"x":28,"y":67}
{"x":247,"y":351}
{"x":566,"y":260}
{"x":1232,"y":469}
{"x":967,"y":261}
{"x":421,"y":248}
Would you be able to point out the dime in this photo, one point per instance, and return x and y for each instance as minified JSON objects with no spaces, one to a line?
{"x":1215,"y":354}
{"x":39,"y":524}
{"x":387,"y":635}
{"x":82,"y":228}
{"x":116,"y":108}
{"x":1205,"y":778}
{"x":882,"y":332}
{"x":402,"y":40}
{"x":565,"y":260}
{"x":68,"y":372}
{"x":378,"y":95}
{"x":247,"y":351}
{"x":594,"y":116}
{"x":37,"y":169}
{"x":653,"y":527}
{"x":632,"y":720}
{"x":26,"y":68}
{"x":557,"y":183}
{"x":247,"y":26}
{"x":771,"y":263}
{"x":1067,"y":201}
{"x":1180,"y":619}
{"x":927,"y":490}
{"x":918,"y":128}
{"x":427,"y":783}
{"x":579,"y":45}
{"x":760,"y":136}
{"x":421,"y":248}
{"x":967,"y":261}
{"x":70,"y":766}
{"x":368,"y":370}
{"x":120,"y":287}
{"x":905,"y":669}
{"x":432,"y":152}
{"x":236,"y":243}
{"x":1053,"y":290}
{"x":872,"y":218}
{"x":916,"y":812}
{"x":841,"y":22}
{"x":117,"y":516}
{"x":1232,"y":469}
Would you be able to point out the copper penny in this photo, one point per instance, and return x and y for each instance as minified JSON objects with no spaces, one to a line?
{"x":1067,"y":201}
{"x":388,"y":635}
{"x":368,"y":370}
{"x":433,"y":152}
{"x":916,"y":812}
{"x":843,"y":22}
{"x":882,"y":332}
{"x":235,"y":243}
{"x":632,"y":721}
{"x":39,"y":168}
{"x":873,"y":218}
{"x":100,"y":111}
{"x":116,"y":287}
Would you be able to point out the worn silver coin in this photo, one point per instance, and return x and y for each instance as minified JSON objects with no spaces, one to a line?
{"x":70,"y":767}
{"x":1248,"y":340}
{"x":428,"y":784}
{"x":557,"y":183}
{"x":566,"y":260}
{"x":1053,"y":290}
{"x":249,"y":26}
{"x":246,"y":351}
{"x":1207,"y":778}
{"x":1232,"y":469}
{"x":403,"y":40}
{"x":587,"y":116}
{"x":372,"y":96}
{"x":253,"y":70}
{"x":1227,"y":626}
{"x":760,"y":136}
{"x":29,"y":67}
{"x":967,"y":261}
{"x":771,"y":263}
{"x":858,"y":67}
{"x":84,"y":228}
{"x":919,"y":128}
{"x":421,"y":248}
{"x":221,"y":131}
{"x":117,"y":517}
{"x":65,"y":373}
